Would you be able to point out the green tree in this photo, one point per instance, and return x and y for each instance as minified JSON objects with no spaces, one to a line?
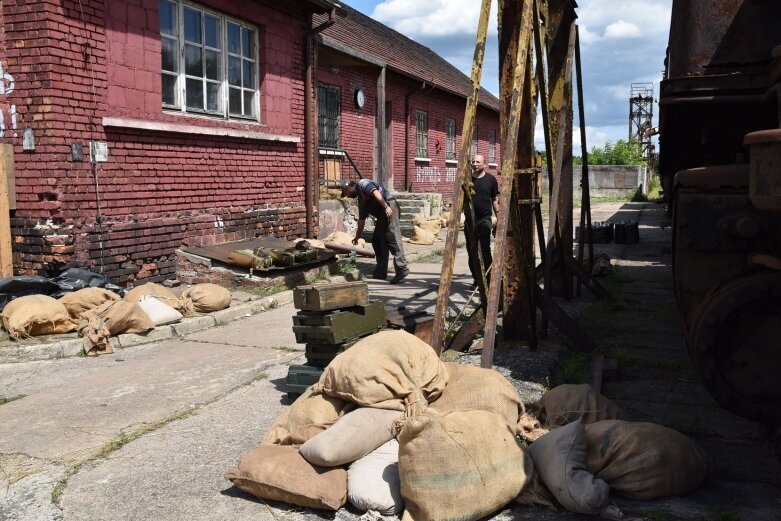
{"x":622,"y":152}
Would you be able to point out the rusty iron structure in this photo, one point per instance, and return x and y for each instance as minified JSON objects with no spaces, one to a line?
{"x":641,"y":117}
{"x":720,"y":163}
{"x":537,"y":49}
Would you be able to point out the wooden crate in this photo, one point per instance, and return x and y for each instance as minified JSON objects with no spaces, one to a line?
{"x":339,"y":326}
{"x":299,"y":377}
{"x":419,"y":323}
{"x":327,"y":297}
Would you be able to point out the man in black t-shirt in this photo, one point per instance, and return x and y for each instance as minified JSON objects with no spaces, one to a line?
{"x":484,"y":201}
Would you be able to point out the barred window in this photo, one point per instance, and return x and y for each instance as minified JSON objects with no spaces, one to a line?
{"x":209,"y":62}
{"x":328,"y":111}
{"x":473,"y":152}
{"x":421,"y":144}
{"x":450,"y":139}
{"x":492,"y":146}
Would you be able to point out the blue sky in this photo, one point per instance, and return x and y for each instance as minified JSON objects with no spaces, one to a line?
{"x":621,"y":42}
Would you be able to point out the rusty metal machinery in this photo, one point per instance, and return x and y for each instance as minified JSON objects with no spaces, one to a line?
{"x":720,"y":161}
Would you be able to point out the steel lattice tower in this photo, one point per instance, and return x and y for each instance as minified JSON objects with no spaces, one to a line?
{"x":641,"y":115}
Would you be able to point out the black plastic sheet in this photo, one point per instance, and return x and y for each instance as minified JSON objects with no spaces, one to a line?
{"x":72,"y":279}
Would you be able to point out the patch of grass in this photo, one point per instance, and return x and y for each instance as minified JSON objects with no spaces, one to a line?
{"x":59,"y":490}
{"x":286,"y":349}
{"x":260,"y":377}
{"x":723,"y":515}
{"x":668,"y":367}
{"x":267,"y":291}
{"x":9,"y":399}
{"x":572,"y":369}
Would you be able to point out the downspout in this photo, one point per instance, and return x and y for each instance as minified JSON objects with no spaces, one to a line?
{"x":310,"y":124}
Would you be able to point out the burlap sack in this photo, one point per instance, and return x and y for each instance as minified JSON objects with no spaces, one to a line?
{"x":644,"y":460}
{"x":570,"y":402}
{"x":388,"y":370}
{"x":279,"y":473}
{"x":345,"y":239}
{"x":35,"y":315}
{"x":560,"y":459}
{"x":470,"y":387}
{"x":309,"y":415}
{"x":77,"y":302}
{"x":432,"y":226}
{"x":156,"y":290}
{"x":352,"y":437}
{"x":204,"y":298}
{"x":421,"y":236}
{"x":463,"y":465}
{"x":158,"y":312}
{"x":373,"y":481}
{"x":111,"y":318}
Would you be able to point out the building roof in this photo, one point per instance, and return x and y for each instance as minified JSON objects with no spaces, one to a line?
{"x":372,"y":39}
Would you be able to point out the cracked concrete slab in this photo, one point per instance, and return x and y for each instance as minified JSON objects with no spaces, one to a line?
{"x":70,"y":420}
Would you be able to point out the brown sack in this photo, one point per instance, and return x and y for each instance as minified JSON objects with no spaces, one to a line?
{"x":279,"y":473}
{"x":388,"y":370}
{"x":205,"y":298}
{"x":570,"y":402}
{"x":463,"y":465}
{"x":644,"y":460}
{"x":35,"y":315}
{"x":309,"y":415}
{"x":432,"y":226}
{"x":470,"y":387}
{"x":352,"y":437}
{"x":111,"y":318}
{"x":421,"y":236}
{"x":161,"y":293}
{"x":344,"y":239}
{"x":77,"y":302}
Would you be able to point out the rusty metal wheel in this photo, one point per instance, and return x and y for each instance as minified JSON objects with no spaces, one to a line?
{"x":736,"y":342}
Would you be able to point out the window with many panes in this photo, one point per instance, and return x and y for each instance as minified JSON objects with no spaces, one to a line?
{"x":328,"y":109}
{"x":421,"y":143}
{"x":473,"y":152}
{"x":450,"y":139}
{"x":492,"y":146}
{"x":209,"y":62}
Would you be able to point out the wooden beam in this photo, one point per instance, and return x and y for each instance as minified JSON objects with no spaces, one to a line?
{"x":509,"y":149}
{"x":6,"y":257}
{"x":470,"y":113}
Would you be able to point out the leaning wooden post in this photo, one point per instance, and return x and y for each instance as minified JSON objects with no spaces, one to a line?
{"x":509,"y":148}
{"x":449,"y":254}
{"x":6,"y":170}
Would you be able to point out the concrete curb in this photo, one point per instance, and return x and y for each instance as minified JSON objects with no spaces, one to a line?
{"x":70,"y":347}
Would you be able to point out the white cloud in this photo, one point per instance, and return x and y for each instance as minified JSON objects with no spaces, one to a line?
{"x":610,"y":65}
{"x":433,"y":17}
{"x":622,"y":29}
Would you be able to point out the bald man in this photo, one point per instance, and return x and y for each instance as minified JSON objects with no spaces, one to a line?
{"x":484,"y":202}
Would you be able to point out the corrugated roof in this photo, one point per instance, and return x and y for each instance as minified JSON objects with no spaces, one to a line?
{"x":401,"y":54}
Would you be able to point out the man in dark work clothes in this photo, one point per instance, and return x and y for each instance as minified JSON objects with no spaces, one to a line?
{"x":484,"y":201}
{"x":374,"y":199}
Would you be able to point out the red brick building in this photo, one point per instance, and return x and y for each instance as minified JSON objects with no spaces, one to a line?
{"x":140,"y":126}
{"x":423,"y":98}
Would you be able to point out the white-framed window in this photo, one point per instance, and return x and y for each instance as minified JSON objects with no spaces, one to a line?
{"x":473,"y":151}
{"x":492,"y":146}
{"x":421,"y":143}
{"x":209,"y":62}
{"x":450,"y":139}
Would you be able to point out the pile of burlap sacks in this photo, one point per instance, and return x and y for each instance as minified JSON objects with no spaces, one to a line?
{"x":97,"y":313}
{"x":391,"y":428}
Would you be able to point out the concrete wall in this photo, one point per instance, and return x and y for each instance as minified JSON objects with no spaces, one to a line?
{"x":609,"y":180}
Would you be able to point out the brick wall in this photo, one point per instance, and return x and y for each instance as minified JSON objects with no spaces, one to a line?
{"x":73,"y":64}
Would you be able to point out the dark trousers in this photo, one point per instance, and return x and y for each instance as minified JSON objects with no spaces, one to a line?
{"x":387,"y":240}
{"x":483,"y":229}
